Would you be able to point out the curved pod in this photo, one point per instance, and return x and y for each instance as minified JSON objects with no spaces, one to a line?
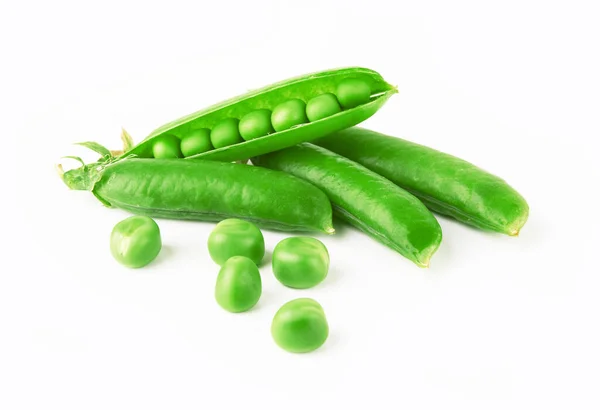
{"x":446,"y":184}
{"x":364,"y":199}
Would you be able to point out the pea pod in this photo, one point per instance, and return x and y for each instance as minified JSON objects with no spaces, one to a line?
{"x":206,"y":191}
{"x":364,"y":199}
{"x":446,"y":184}
{"x":301,"y":88}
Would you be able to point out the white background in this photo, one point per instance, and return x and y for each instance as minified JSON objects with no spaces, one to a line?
{"x":495,"y":323}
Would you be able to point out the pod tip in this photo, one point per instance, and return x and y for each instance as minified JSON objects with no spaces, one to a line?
{"x":329,"y":230}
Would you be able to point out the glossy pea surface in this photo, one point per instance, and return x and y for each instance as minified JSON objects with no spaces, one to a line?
{"x":196,"y":142}
{"x":300,"y":262}
{"x":256,"y":124}
{"x":226,"y":133}
{"x":135,"y":241}
{"x":288,"y":114}
{"x":353,"y":92}
{"x":239,"y":285}
{"x":300,"y":326}
{"x":236,"y":237}
{"x":166,"y":147}
{"x":322,"y":106}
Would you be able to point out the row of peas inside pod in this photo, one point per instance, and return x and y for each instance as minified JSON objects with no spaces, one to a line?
{"x":349,"y":93}
{"x":238,"y":246}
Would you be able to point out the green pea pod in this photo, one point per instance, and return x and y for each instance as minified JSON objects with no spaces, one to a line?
{"x":304,"y":88}
{"x":206,"y":191}
{"x":446,"y":184}
{"x":364,"y":199}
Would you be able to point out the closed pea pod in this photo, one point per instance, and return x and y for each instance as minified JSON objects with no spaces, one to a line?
{"x":364,"y":199}
{"x":207,"y":191}
{"x":446,"y":184}
{"x":293,"y":131}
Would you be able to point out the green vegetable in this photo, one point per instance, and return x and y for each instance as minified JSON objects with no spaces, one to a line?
{"x":304,"y":88}
{"x":322,"y":106}
{"x":446,"y":184}
{"x":353,"y":92}
{"x":256,"y":124}
{"x":289,"y":114}
{"x":196,"y":142}
{"x":239,"y":285}
{"x":205,"y":190}
{"x":166,"y":147}
{"x":226,"y":133}
{"x":300,"y":262}
{"x":364,"y":199}
{"x":300,"y":326}
{"x":235,"y":237}
{"x":135,"y":241}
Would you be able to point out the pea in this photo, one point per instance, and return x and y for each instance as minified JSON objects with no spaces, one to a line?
{"x":300,"y":326}
{"x":353,"y":92}
{"x":238,"y":285}
{"x":135,"y":241}
{"x":300,"y":262}
{"x":236,"y":237}
{"x":289,"y":113}
{"x":166,"y":146}
{"x":226,"y":133}
{"x":256,"y":124}
{"x":196,"y":142}
{"x":322,"y":106}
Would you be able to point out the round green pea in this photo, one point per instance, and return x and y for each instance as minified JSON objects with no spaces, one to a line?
{"x":300,"y":326}
{"x":300,"y":262}
{"x":353,"y":92}
{"x":135,"y":241}
{"x":226,"y":133}
{"x":322,"y":106}
{"x":236,"y":237}
{"x":238,"y":285}
{"x":166,"y":146}
{"x":289,"y":113}
{"x":196,"y":142}
{"x":256,"y":124}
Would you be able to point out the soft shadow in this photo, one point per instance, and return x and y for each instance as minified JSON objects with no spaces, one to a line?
{"x":266,"y":260}
{"x":165,"y":255}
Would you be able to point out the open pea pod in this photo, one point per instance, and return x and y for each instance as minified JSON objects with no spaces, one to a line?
{"x":303,"y":88}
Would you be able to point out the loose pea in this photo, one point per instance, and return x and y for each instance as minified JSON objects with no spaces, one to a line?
{"x":322,"y":106}
{"x":353,"y":92}
{"x":238,"y":285}
{"x":289,"y":113}
{"x":300,"y":262}
{"x":196,"y":142}
{"x":166,"y":146}
{"x":256,"y":124}
{"x":236,"y":237}
{"x":135,"y":241}
{"x":226,"y":133}
{"x":300,"y":326}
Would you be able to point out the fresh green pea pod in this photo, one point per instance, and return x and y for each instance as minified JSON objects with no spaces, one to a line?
{"x":366,"y":200}
{"x":304,"y":88}
{"x":446,"y":184}
{"x":207,"y":191}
